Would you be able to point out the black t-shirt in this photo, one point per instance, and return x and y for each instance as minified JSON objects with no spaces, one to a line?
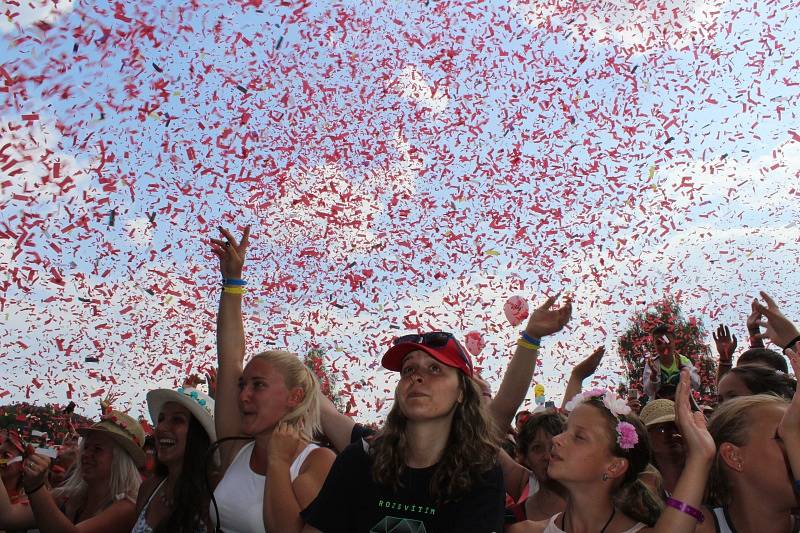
{"x":351,"y":501}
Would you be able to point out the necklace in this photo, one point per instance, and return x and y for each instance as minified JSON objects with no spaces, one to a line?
{"x":162,"y":495}
{"x":610,"y":518}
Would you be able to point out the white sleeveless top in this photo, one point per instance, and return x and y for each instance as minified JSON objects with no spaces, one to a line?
{"x":240,"y":494}
{"x":553,"y":528}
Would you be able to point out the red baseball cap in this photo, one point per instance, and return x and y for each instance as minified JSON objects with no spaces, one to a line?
{"x":440,"y":345}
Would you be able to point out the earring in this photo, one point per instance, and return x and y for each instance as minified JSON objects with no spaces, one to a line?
{"x":605,"y":476}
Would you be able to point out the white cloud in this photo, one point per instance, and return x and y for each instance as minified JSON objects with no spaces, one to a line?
{"x":29,"y":12}
{"x":413,"y":85}
{"x":634,"y":24}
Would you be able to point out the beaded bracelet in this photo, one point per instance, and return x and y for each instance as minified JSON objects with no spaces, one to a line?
{"x":695,"y":513}
{"x":234,"y":281}
{"x":528,"y":338}
{"x":525,"y":344}
{"x":234,"y":290}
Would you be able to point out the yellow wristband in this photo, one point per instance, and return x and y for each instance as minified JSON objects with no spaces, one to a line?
{"x":230,"y":289}
{"x":525,"y":344}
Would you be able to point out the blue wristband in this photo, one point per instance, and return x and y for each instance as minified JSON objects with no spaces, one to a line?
{"x":234,"y":282}
{"x":797,"y":486}
{"x":528,"y":338}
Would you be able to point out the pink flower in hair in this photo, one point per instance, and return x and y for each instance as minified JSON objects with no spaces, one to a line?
{"x":627,"y":437}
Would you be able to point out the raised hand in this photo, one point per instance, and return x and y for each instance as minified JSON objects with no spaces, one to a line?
{"x":779,"y":329}
{"x":546,"y":320}
{"x":231,"y":253}
{"x":211,"y":381}
{"x":726,"y":344}
{"x":789,"y":428}
{"x":753,"y":327}
{"x":587,"y":367}
{"x":655,"y":368}
{"x":34,"y":471}
{"x":692,"y":424}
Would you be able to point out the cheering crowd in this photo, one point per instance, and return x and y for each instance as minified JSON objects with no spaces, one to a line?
{"x":269,"y":452}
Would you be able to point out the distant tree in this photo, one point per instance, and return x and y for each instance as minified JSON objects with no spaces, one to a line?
{"x":635,"y":345}
{"x":52,"y":419}
{"x":328,"y":380}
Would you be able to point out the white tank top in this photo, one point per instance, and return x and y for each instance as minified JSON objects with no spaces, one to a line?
{"x":553,"y":528}
{"x":722,"y":526}
{"x":721,"y":520}
{"x":240,"y":494}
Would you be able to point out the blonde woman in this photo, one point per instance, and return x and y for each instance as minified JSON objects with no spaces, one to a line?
{"x":275,"y":400}
{"x":753,"y":484}
{"x":99,"y":495}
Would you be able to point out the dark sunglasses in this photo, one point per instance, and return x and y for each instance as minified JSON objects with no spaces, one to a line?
{"x":434,"y":339}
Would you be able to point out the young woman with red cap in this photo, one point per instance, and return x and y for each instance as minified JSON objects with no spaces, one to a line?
{"x":433,"y":465}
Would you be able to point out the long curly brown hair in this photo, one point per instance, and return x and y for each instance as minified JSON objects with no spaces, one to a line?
{"x":471,"y":449}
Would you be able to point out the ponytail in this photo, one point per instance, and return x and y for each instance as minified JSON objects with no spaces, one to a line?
{"x":638,"y":501}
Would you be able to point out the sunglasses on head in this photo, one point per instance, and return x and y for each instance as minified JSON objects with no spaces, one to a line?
{"x":434,"y":339}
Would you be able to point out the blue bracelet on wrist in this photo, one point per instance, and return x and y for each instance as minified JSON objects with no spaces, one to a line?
{"x":797,"y":486}
{"x":528,"y":338}
{"x":234,"y":282}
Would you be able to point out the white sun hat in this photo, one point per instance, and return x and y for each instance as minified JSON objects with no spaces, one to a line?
{"x":200,"y":404}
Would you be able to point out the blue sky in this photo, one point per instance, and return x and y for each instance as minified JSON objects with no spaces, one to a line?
{"x":404,"y":166}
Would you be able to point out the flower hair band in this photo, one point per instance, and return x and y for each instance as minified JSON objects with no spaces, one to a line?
{"x":627,"y":437}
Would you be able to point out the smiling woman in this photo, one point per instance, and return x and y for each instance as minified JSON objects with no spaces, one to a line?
{"x":184,"y":429}
{"x":98,"y":495}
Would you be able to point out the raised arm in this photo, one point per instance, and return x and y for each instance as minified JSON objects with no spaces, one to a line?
{"x":581,"y":371}
{"x":230,"y":341}
{"x":691,"y":485}
{"x":789,"y":429}
{"x":651,"y":377}
{"x":337,"y":426}
{"x":779,"y":329}
{"x":753,"y":327}
{"x":44,"y":514}
{"x":726,"y":345}
{"x":545,"y":320}
{"x":14,"y":516}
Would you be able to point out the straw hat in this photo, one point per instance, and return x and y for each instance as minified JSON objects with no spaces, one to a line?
{"x":125,"y":431}
{"x":658,"y":411}
{"x":201,"y":406}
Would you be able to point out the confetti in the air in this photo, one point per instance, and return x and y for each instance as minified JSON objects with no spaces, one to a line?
{"x":405,"y":166}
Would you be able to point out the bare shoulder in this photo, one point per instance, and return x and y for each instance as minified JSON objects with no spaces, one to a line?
{"x":146,"y":489}
{"x":528,"y":526}
{"x":318,"y":458}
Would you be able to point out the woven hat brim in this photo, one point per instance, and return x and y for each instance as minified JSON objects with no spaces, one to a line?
{"x":126,"y":443}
